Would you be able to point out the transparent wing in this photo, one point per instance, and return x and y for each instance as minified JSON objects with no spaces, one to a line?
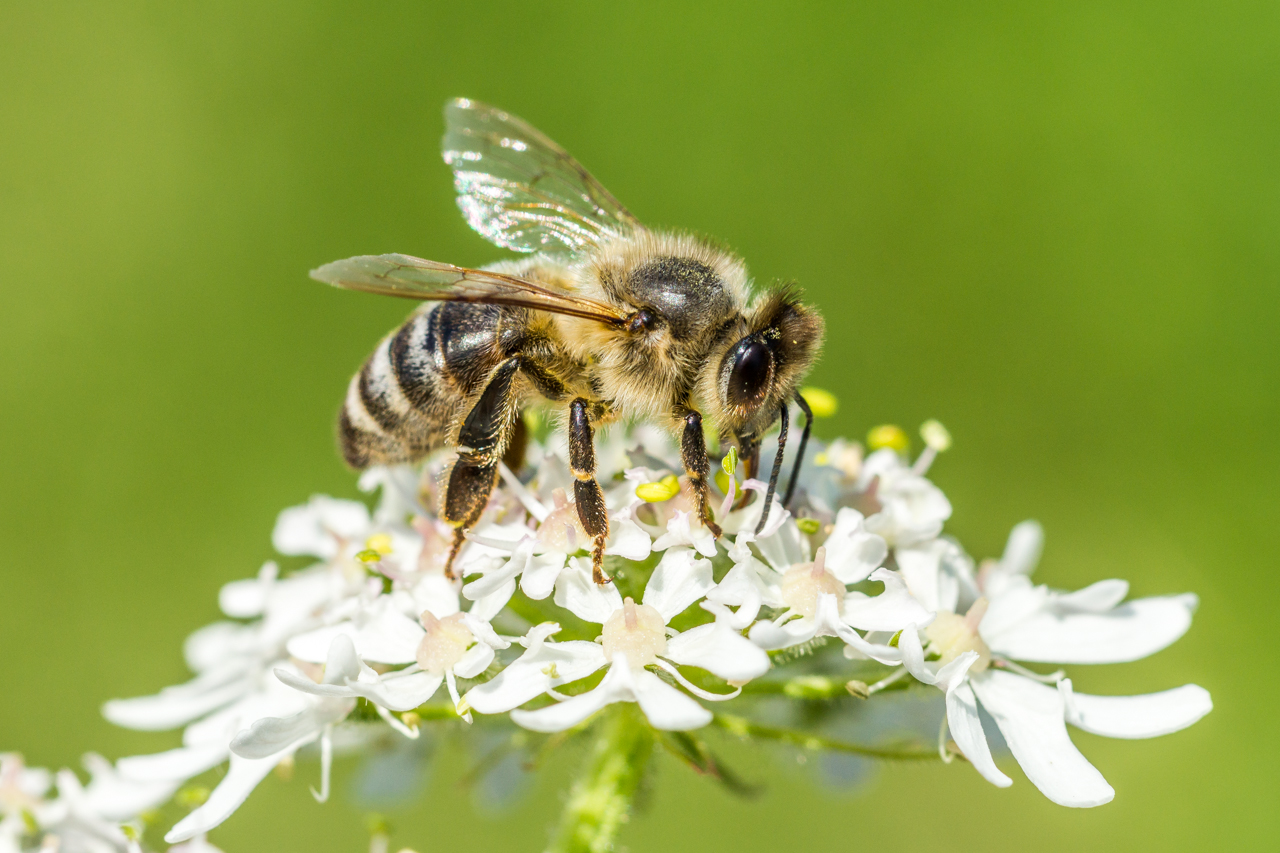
{"x":521,"y":190}
{"x":413,"y":278}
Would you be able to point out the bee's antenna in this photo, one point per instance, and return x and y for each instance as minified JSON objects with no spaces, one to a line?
{"x":804,"y":441}
{"x":777,"y":467}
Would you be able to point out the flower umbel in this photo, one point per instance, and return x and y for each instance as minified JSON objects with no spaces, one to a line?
{"x":809,"y":634}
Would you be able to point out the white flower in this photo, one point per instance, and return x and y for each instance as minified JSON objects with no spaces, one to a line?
{"x":972,"y":658}
{"x":912,"y":509}
{"x":634,"y":637}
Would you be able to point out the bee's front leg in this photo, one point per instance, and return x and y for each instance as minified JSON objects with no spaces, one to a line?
{"x":693,"y":453}
{"x":587,"y":494}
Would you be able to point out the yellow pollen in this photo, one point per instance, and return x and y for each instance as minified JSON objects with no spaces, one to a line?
{"x":804,"y":583}
{"x":638,"y":631}
{"x":663,"y":490}
{"x":821,"y":402}
{"x":379,"y":542}
{"x":446,"y":641}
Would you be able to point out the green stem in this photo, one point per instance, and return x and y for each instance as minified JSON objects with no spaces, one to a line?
{"x":600,"y":800}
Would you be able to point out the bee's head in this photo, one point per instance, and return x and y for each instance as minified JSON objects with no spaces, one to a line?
{"x":759,"y":363}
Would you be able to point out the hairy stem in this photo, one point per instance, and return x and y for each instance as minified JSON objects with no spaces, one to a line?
{"x":600,"y":801}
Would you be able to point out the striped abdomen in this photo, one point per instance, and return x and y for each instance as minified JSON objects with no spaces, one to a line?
{"x":408,"y":398}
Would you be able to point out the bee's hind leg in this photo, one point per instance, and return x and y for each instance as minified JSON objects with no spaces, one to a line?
{"x":484,"y":437}
{"x":693,"y":453}
{"x":587,"y":494}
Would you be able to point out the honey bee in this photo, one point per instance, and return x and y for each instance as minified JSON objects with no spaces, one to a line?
{"x":608,"y":318}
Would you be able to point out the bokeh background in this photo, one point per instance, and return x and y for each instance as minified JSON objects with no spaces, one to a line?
{"x":1053,"y":226}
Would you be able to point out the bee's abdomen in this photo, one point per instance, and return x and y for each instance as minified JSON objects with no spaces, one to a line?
{"x":405,"y":401}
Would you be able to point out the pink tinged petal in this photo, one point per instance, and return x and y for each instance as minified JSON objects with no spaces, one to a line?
{"x":539,"y":577}
{"x":852,"y":552}
{"x":891,"y":610}
{"x":175,"y":764}
{"x":615,"y":687}
{"x":1147,"y":715}
{"x":242,"y":777}
{"x":829,"y":624}
{"x":579,"y":594}
{"x":402,"y":693}
{"x":1022,"y":550}
{"x":666,"y":707}
{"x":1031,"y":718}
{"x":475,"y":661}
{"x":719,"y":650}
{"x":966,"y":731}
{"x":1130,"y":632}
{"x":175,"y":706}
{"x":1095,"y":598}
{"x":680,"y":579}
{"x":532,"y":675}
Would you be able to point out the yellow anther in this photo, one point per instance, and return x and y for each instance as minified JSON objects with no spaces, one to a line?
{"x":822,"y":402}
{"x":808,"y":525}
{"x":888,"y":435}
{"x":380,"y":542}
{"x":663,"y":490}
{"x":935,"y":435}
{"x":368,"y":555}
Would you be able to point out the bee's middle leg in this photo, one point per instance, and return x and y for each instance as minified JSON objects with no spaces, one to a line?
{"x":587,"y":494}
{"x":693,"y":453}
{"x":485,"y":435}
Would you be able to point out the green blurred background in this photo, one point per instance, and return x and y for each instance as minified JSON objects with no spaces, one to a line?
{"x":1051,"y":226}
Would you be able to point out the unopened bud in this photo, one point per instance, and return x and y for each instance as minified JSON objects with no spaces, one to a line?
{"x":858,"y":689}
{"x":935,"y":435}
{"x":888,"y":435}
{"x":821,"y":402}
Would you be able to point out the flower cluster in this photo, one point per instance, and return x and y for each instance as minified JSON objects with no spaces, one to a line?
{"x":852,"y":591}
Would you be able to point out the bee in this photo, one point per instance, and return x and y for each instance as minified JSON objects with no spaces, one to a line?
{"x":607,"y":318}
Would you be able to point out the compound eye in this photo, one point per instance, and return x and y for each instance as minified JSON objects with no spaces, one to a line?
{"x":750,"y":375}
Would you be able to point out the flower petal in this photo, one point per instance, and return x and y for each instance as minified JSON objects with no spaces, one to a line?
{"x":1031,"y":718}
{"x":1097,"y":597}
{"x":272,"y":735}
{"x":180,"y":704}
{"x":579,"y":594}
{"x":475,"y":661}
{"x":1022,"y":551}
{"x":891,"y":610}
{"x":382,"y":634}
{"x":1148,"y":715}
{"x":539,"y":577}
{"x":174,"y":764}
{"x":315,"y":528}
{"x":399,"y":692}
{"x":666,"y":707}
{"x":532,"y":675}
{"x":1130,"y":632}
{"x":242,"y":777}
{"x":615,"y":687}
{"x":966,"y":731}
{"x":627,"y":539}
{"x":719,"y":650}
{"x":852,"y":552}
{"x":829,"y":624}
{"x":680,"y":579}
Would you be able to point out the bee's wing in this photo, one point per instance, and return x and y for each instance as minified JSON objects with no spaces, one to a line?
{"x":413,"y":278}
{"x":519,"y":189}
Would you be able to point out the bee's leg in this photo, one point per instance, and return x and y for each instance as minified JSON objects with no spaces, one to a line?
{"x":693,"y":453}
{"x":587,"y":494}
{"x":484,"y":436}
{"x":749,"y":452}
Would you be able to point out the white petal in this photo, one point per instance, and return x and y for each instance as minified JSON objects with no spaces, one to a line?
{"x":1130,"y":632}
{"x":341,"y":663}
{"x":475,"y":661}
{"x":1096,"y":598}
{"x":891,"y":610}
{"x":1031,"y":718}
{"x":496,"y":578}
{"x":921,"y":570}
{"x":615,"y":687}
{"x":175,"y":706}
{"x":1148,"y":715}
{"x":207,"y":647}
{"x":399,"y":692}
{"x":666,"y":707}
{"x":539,"y":577}
{"x":771,"y":635}
{"x":579,"y":594}
{"x":175,"y":764}
{"x":1022,"y":551}
{"x":1011,"y":600}
{"x":966,"y":731}
{"x":741,"y":588}
{"x":272,"y":735}
{"x":483,"y":631}
{"x":436,"y":593}
{"x":829,"y":624}
{"x":491,"y":605}
{"x":531,"y":675}
{"x":313,"y":529}
{"x":787,"y":546}
{"x":628,"y":540}
{"x":383,"y":634}
{"x":242,"y":777}
{"x":300,"y":682}
{"x":720,"y":651}
{"x":852,"y":552}
{"x":115,"y":797}
{"x":248,"y":598}
{"x":680,"y":579}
